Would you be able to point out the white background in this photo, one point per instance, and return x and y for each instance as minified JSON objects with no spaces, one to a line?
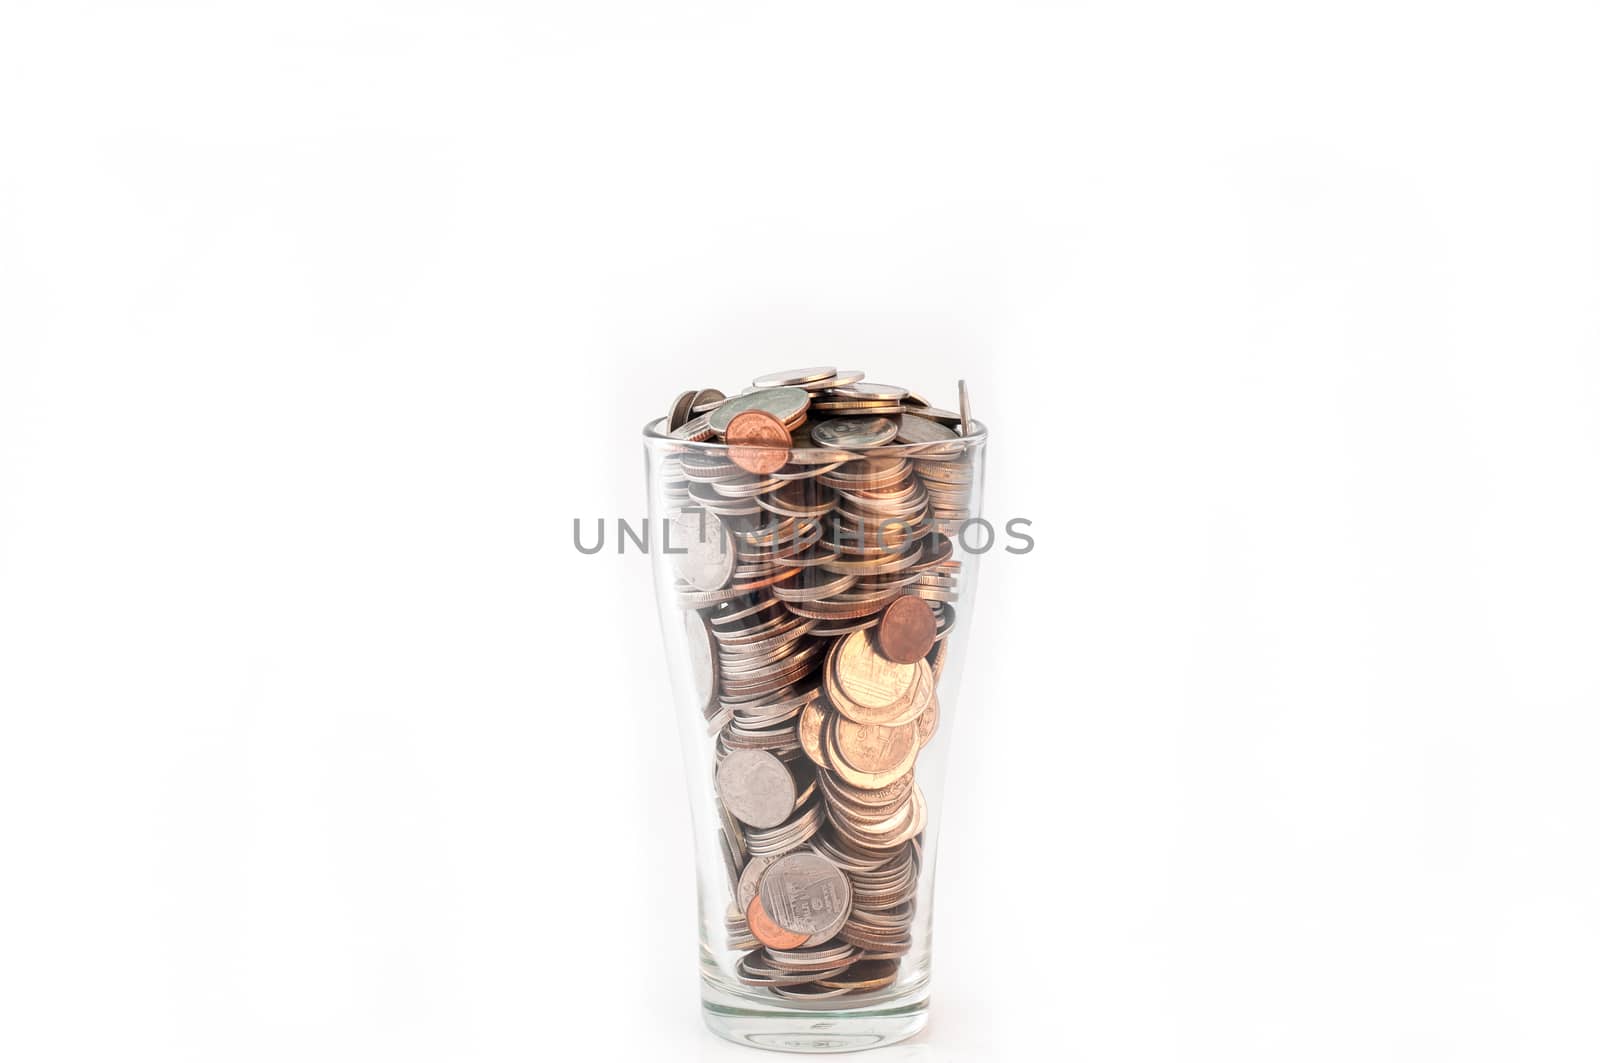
{"x":319,"y":323}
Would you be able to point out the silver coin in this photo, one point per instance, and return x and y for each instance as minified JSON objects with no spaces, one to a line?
{"x":750,"y":879}
{"x":850,"y":432}
{"x":948,"y":418}
{"x":785,"y":404}
{"x":695,"y":430}
{"x":914,"y":429}
{"x":756,"y":787}
{"x":702,"y":660}
{"x":790,"y":835}
{"x":966,"y":408}
{"x":707,"y":559}
{"x":811,"y":958}
{"x":706,"y":400}
{"x":806,"y":894}
{"x":875,"y":392}
{"x":808,"y":991}
{"x":838,"y":380}
{"x":794,"y":377}
{"x":679,"y":414}
{"x":735,"y":836}
{"x":729,"y":859}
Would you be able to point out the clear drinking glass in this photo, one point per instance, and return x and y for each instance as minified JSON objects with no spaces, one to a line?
{"x":773,"y":573}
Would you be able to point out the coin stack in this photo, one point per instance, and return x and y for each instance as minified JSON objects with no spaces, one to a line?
{"x":817,"y":576}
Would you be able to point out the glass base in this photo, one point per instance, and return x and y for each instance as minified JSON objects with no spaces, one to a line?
{"x":820,"y":1026}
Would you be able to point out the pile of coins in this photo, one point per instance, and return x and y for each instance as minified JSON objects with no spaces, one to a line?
{"x":817,"y":576}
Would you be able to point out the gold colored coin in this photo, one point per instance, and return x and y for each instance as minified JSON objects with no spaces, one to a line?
{"x":870,"y":680}
{"x":928,"y":722}
{"x":882,"y":798}
{"x":855,"y":777}
{"x":812,"y":719}
{"x":905,"y":711}
{"x":874,"y":749}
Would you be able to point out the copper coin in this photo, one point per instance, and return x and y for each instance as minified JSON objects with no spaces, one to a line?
{"x":871,"y":749}
{"x":809,"y":729}
{"x":906,"y":630}
{"x":873,"y":688}
{"x":758,"y":442}
{"x":769,"y":933}
{"x":865,"y":780}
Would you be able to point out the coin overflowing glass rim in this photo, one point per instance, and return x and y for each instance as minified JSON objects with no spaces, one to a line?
{"x":979,"y":436}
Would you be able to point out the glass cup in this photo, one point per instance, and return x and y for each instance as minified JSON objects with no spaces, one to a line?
{"x":808,"y":598}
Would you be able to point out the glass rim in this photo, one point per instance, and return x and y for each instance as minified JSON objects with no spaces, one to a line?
{"x":654,"y":433}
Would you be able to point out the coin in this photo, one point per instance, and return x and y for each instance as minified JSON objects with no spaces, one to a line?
{"x":839,"y":379}
{"x":828,"y":957}
{"x":928,"y":723}
{"x":806,"y":894}
{"x":786,"y":404}
{"x":791,"y":835}
{"x":768,"y":932}
{"x":794,"y":377}
{"x":706,"y":400}
{"x":702,"y":661}
{"x":756,"y":787}
{"x":701,"y":550}
{"x":679,"y":414}
{"x":866,"y":780}
{"x":870,"y":680}
{"x":879,"y":392}
{"x":757,"y":442}
{"x":750,"y":878}
{"x":872,"y":748}
{"x":868,"y":974}
{"x":890,"y":795}
{"x":785,"y":968}
{"x":856,"y":407}
{"x":696,"y":430}
{"x":812,"y":719}
{"x":948,"y":418}
{"x":809,"y":991}
{"x":906,"y":630}
{"x":850,"y":432}
{"x":966,"y":408}
{"x":915,"y":428}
